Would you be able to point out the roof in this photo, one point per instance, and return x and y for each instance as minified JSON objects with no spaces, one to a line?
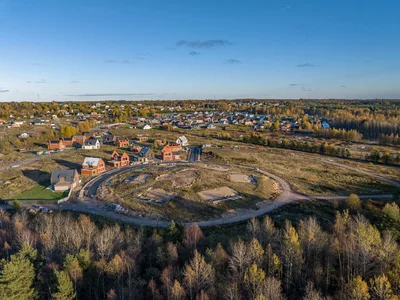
{"x":183,"y":139}
{"x":91,"y":142}
{"x":144,"y":151}
{"x":68,"y":175}
{"x":91,"y":161}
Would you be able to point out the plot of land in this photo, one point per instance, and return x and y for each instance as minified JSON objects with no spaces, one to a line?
{"x":140,"y":179}
{"x":184,"y":178}
{"x":237,"y":177}
{"x":40,"y":193}
{"x":158,"y":195}
{"x":218,"y":194}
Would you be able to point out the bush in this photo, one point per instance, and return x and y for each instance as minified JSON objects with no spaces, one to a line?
{"x":392,"y":210}
{"x":16,"y":205}
{"x":353,"y":202}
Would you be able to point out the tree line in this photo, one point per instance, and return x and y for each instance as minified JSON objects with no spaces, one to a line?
{"x":61,"y":257}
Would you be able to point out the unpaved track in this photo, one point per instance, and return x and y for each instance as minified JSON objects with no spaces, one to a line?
{"x":287,"y":195}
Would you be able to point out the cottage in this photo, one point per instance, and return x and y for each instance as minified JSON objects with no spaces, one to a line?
{"x":93,"y":166}
{"x":91,"y":144}
{"x":109,"y":139}
{"x":55,"y":145}
{"x":38,"y":123}
{"x":80,"y":139}
{"x":170,"y":153}
{"x":173,"y":147}
{"x":182,"y":140}
{"x":69,"y":142}
{"x":136,"y":148}
{"x":63,"y":180}
{"x":122,"y":142}
{"x":142,"y":138}
{"x":146,"y":127}
{"x":146,"y":153}
{"x":119,"y":160}
{"x":24,"y":135}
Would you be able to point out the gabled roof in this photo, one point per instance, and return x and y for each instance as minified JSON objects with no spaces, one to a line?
{"x":91,"y":161}
{"x":144,"y":151}
{"x":91,"y":142}
{"x":68,"y":175}
{"x":183,"y":139}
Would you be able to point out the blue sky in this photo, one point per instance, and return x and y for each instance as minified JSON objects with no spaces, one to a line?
{"x":95,"y":50}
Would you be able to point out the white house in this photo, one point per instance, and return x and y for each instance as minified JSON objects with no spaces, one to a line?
{"x":24,"y":135}
{"x":146,"y":127}
{"x":182,"y":140}
{"x":91,"y":144}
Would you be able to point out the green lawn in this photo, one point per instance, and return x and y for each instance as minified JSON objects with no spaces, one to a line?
{"x":40,"y":193}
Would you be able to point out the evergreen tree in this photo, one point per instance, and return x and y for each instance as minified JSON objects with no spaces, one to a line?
{"x":16,"y":278}
{"x":65,"y":288}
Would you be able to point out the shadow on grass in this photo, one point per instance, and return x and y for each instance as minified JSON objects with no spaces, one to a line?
{"x":40,"y":145}
{"x":40,"y":177}
{"x":69,"y":164}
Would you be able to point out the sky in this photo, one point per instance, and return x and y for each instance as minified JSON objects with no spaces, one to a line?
{"x":94,"y":50}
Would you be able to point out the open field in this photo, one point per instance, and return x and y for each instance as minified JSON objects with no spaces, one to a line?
{"x":192,"y":186}
{"x":307,"y":173}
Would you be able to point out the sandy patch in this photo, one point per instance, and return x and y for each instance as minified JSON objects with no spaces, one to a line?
{"x":140,"y":179}
{"x":184,"y":178}
{"x":157,"y":195}
{"x":238,"y":177}
{"x":223,"y":193}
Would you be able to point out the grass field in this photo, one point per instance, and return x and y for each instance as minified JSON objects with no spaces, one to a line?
{"x":40,"y":193}
{"x":305,"y":172}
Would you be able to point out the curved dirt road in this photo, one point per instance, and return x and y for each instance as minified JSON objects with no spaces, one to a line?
{"x":287,"y":196}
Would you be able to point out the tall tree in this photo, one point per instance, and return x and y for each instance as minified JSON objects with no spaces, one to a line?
{"x":65,"y":288}
{"x":16,"y":277}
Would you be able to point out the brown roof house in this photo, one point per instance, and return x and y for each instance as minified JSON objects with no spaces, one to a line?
{"x":119,"y":160}
{"x":55,"y":145}
{"x":63,"y":180}
{"x":122,"y":142}
{"x":69,"y":142}
{"x":171,"y":152}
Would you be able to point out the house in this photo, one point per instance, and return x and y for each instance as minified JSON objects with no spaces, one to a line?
{"x":146,"y":153}
{"x":63,"y":180}
{"x":91,"y":144}
{"x":146,"y":127}
{"x":15,"y":124}
{"x":119,"y":160}
{"x":142,"y":138}
{"x":122,"y":142}
{"x":182,"y":140}
{"x":173,"y":147}
{"x":170,"y":152}
{"x":109,"y":139}
{"x":55,"y":145}
{"x":80,"y":139}
{"x":135,"y":148}
{"x":38,"y":123}
{"x":69,"y":142}
{"x":325,"y":125}
{"x":24,"y":135}
{"x":93,"y":166}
